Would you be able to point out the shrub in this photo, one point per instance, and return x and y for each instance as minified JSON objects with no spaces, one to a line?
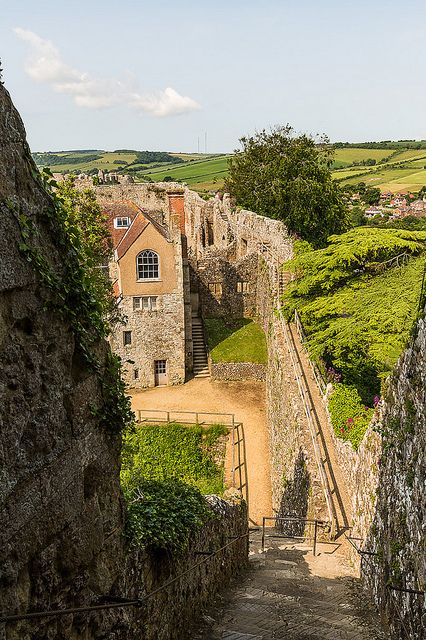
{"x":349,"y":416}
{"x":162,"y":514}
{"x":185,"y":453}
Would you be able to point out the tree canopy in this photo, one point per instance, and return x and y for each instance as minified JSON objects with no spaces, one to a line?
{"x":287,"y":177}
{"x":358,"y":302}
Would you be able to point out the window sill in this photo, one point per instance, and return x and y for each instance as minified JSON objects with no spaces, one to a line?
{"x":149,"y":280}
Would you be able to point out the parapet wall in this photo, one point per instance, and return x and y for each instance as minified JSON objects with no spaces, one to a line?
{"x":169,"y":614}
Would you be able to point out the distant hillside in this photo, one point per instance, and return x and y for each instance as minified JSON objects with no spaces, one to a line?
{"x":389,"y":165}
{"x":200,"y":171}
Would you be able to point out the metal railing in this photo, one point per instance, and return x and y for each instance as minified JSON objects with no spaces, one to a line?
{"x":112,"y":602}
{"x":319,"y":378}
{"x":303,"y":392}
{"x":296,"y":522}
{"x":205,"y":419}
{"x":369,"y":557}
{"x":185,"y":417}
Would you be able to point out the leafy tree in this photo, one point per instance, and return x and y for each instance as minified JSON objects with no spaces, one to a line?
{"x":371,"y":195}
{"x":287,"y":177}
{"x":357,"y":217}
{"x":356,"y":307}
{"x":84,"y":217}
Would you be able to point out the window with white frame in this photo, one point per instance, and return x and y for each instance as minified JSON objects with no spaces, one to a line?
{"x":145,"y":303}
{"x":122,"y":222}
{"x":148,"y":265}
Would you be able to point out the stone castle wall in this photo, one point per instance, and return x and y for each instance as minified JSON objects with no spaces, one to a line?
{"x":60,"y":501}
{"x":296,"y":487}
{"x":397,"y":532}
{"x":170,"y":613}
{"x":237,"y":371}
{"x":156,"y":335}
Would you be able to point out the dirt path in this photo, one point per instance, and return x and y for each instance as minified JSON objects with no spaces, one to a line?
{"x":247,"y":401}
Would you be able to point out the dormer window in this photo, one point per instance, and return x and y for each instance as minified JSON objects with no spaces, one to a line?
{"x":122,"y":222}
{"x":148,"y":265}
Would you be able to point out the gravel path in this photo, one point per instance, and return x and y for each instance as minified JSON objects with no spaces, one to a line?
{"x":247,"y":401}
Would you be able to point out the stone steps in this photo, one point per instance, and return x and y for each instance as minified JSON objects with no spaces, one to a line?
{"x":200,"y":361}
{"x":290,"y":595}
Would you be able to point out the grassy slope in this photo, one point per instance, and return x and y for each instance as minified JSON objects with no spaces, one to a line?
{"x":244,"y":341}
{"x":193,"y":173}
{"x":206,"y":173}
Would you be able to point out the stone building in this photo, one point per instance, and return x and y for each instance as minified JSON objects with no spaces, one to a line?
{"x":150,"y":279}
{"x":179,"y":259}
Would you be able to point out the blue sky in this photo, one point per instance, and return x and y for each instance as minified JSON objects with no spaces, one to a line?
{"x":157,"y":75}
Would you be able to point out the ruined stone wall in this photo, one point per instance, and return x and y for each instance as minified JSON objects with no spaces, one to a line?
{"x":296,"y":487}
{"x":397,"y":532}
{"x":227,"y":289}
{"x":152,"y":197}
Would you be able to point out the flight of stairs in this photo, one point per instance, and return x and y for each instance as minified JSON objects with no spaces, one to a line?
{"x":201,"y":366}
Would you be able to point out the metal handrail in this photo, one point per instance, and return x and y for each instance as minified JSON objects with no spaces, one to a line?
{"x":319,"y":379}
{"x":368,"y":555}
{"x":318,"y":458}
{"x":291,"y":519}
{"x":122,"y":602}
{"x":229,"y":417}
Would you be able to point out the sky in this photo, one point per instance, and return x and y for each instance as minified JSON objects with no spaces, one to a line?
{"x":161,"y":74}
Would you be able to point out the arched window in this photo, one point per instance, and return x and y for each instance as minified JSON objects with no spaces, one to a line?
{"x":148,"y":265}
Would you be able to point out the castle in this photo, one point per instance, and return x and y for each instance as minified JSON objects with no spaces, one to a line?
{"x":177,"y":259}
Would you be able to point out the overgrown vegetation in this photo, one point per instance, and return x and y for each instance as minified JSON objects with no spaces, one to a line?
{"x":284,"y":176}
{"x":349,"y":416}
{"x":78,"y":292}
{"x":162,"y":514}
{"x":236,"y":341}
{"x":358,"y":308}
{"x":165,"y":471}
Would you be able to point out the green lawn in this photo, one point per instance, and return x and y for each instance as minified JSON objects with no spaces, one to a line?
{"x":241,"y":341}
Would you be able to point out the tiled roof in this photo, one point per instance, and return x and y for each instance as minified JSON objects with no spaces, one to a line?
{"x":123,"y":238}
{"x":119,"y":209}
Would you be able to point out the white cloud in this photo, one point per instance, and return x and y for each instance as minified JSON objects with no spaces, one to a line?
{"x":45,"y":65}
{"x":164,"y":103}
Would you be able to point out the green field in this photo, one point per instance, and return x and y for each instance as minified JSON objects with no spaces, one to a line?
{"x":397,"y":168}
{"x":346,"y":157}
{"x":196,"y":173}
{"x":200,"y":171}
